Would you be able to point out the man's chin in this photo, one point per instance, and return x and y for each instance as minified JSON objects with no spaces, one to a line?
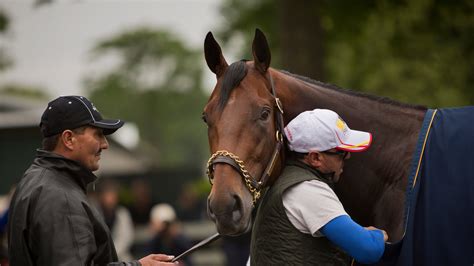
{"x":94,"y":168}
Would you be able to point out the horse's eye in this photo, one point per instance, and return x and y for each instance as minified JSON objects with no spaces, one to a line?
{"x":265,"y":114}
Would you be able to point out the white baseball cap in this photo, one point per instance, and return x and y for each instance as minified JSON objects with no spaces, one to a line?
{"x":162,"y":212}
{"x":322,"y":130}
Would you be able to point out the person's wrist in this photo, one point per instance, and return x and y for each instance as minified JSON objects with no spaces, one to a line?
{"x":383,"y":234}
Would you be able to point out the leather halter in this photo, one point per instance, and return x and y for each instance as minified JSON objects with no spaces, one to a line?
{"x":253,"y":185}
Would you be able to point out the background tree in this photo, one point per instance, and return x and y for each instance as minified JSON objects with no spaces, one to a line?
{"x":25,"y":91}
{"x":5,"y":61}
{"x":418,"y":51}
{"x":157,"y":85}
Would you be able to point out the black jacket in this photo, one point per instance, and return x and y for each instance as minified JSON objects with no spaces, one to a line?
{"x":51,"y":221}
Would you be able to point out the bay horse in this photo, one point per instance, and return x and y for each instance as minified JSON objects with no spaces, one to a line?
{"x":244,"y":116}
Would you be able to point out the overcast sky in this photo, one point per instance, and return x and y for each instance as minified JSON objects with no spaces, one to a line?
{"x":50,"y":45}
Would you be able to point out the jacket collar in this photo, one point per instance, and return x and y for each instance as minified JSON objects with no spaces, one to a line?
{"x":326,"y":178}
{"x":81,"y":175}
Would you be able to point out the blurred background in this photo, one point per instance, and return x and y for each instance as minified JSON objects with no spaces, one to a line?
{"x":143,"y":61}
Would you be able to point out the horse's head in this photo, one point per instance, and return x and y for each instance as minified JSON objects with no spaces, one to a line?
{"x":244,"y":123}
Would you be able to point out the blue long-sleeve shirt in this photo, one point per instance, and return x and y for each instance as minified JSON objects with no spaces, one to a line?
{"x":3,"y":221}
{"x":365,"y":246}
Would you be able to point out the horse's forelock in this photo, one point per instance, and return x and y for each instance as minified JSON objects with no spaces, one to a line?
{"x":234,"y":74}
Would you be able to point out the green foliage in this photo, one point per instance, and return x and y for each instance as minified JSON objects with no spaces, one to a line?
{"x":157,"y":86}
{"x":243,"y":17}
{"x":154,"y":59}
{"x":24,"y":91}
{"x":40,"y":3}
{"x":3,"y":21}
{"x":201,"y":187}
{"x":5,"y":61}
{"x":419,"y":51}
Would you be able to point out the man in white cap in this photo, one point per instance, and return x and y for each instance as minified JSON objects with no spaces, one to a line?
{"x":167,"y":234}
{"x":301,"y":221}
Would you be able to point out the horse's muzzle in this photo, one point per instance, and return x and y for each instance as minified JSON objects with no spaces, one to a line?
{"x":230,"y":216}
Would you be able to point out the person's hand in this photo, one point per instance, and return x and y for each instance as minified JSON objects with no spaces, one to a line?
{"x":157,"y":260}
{"x":385,"y":235}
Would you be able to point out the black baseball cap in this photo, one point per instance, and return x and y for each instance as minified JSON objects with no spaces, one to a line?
{"x":70,"y":112}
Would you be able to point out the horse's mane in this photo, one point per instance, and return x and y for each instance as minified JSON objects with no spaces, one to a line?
{"x":232,"y":77}
{"x":380,"y":99}
{"x":238,"y":70}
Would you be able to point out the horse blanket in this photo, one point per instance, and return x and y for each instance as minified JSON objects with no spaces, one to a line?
{"x":439,"y":210}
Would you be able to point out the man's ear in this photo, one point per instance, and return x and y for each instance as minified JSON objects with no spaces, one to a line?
{"x":314,"y":159}
{"x":67,"y":139}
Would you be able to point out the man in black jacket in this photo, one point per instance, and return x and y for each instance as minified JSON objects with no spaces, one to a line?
{"x":51,"y":222}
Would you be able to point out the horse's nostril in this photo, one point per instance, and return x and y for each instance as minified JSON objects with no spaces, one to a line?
{"x":233,"y":210}
{"x":237,"y":210}
{"x":209,"y":210}
{"x":238,"y":203}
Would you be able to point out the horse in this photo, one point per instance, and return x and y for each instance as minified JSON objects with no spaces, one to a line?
{"x":245,"y":114}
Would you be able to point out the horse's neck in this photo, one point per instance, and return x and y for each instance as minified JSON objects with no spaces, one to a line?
{"x":385,"y":165}
{"x":389,"y":122}
{"x":298,"y":95}
{"x":362,"y":112}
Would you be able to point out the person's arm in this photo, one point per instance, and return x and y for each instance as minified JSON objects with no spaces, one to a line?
{"x":364,"y":245}
{"x":122,"y":233}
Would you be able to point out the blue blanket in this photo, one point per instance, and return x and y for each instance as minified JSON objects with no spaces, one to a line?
{"x":439,"y":216}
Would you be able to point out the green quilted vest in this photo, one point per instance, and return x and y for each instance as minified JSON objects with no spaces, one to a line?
{"x":275,"y":241}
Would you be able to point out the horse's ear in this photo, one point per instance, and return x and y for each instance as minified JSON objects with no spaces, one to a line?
{"x":261,"y":51}
{"x":213,"y":53}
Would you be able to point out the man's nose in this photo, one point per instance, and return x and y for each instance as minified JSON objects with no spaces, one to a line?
{"x":104,"y":144}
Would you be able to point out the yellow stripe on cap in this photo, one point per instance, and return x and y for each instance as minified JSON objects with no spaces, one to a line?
{"x":366,"y":143}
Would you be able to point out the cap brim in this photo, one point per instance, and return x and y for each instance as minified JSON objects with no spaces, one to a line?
{"x":356,"y":141}
{"x":108,"y":126}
